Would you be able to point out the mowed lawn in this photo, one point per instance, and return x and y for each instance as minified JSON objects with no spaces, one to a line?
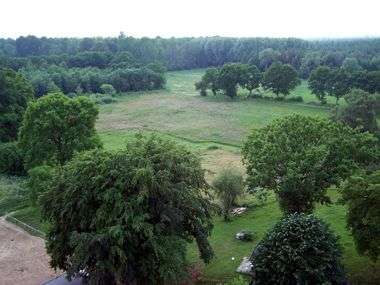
{"x":214,"y":128}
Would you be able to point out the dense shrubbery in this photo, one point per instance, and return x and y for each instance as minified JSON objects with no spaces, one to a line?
{"x":300,"y":249}
{"x":11,"y":159}
{"x":126,"y":217}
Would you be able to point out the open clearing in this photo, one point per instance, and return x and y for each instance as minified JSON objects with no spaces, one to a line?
{"x":23,"y":258}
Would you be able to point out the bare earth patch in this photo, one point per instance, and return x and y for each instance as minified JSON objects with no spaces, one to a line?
{"x":23,"y":258}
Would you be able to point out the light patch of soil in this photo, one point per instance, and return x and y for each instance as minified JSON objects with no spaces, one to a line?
{"x":23,"y":258}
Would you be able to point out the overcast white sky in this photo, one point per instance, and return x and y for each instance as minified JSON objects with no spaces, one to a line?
{"x":167,"y":18}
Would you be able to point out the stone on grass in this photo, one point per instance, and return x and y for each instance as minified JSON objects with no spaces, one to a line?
{"x":245,"y":267}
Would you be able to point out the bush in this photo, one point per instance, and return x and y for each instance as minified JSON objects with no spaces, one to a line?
{"x":300,"y":249}
{"x":11,"y":159}
{"x":295,"y":99}
{"x":106,"y":100}
{"x":228,"y":186}
{"x":107,"y":89}
{"x":39,"y":179}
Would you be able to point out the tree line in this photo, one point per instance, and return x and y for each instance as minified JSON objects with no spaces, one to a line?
{"x":278,"y":78}
{"x":187,"y":53}
{"x":90,"y":79}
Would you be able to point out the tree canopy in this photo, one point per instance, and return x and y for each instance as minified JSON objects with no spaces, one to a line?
{"x":361,"y":111}
{"x":55,"y":127}
{"x":361,"y":193}
{"x":299,"y":157}
{"x":280,"y":79}
{"x":126,"y":217}
{"x":15,"y":92}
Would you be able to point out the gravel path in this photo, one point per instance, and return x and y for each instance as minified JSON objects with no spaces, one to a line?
{"x":23,"y":258}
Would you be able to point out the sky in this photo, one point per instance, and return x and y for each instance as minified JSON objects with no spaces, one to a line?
{"x":179,"y":18}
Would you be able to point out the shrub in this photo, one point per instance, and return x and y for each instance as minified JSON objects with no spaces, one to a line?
{"x":107,"y":89}
{"x":106,"y":100}
{"x":300,"y":249}
{"x":11,"y":159}
{"x":39,"y":179}
{"x":295,"y":99}
{"x":228,"y":186}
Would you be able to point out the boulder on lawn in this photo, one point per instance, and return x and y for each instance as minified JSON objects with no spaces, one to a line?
{"x":238,"y":211}
{"x":245,"y":267}
{"x":244,"y":236}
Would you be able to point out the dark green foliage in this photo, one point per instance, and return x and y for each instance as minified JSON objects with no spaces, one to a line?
{"x":211,"y":79}
{"x":339,"y":84}
{"x":253,"y":80}
{"x":15,"y":92}
{"x":300,"y":249}
{"x":228,"y":186}
{"x":11,"y":159}
{"x":40,"y":178}
{"x":319,"y":82}
{"x":126,"y":217}
{"x":55,"y":127}
{"x":230,"y":76}
{"x":361,"y":193}
{"x":360,"y":111}
{"x":202,"y":87}
{"x":299,"y":157}
{"x":280,"y":79}
{"x":367,"y":81}
{"x":90,"y":80}
{"x":157,"y":67}
{"x":108,"y":89}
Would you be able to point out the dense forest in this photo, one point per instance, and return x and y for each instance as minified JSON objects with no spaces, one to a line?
{"x":187,"y":53}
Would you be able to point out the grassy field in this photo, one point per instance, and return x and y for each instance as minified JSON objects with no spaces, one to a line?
{"x":214,"y":128}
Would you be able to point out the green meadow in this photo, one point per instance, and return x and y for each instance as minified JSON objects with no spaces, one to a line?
{"x":214,"y":127}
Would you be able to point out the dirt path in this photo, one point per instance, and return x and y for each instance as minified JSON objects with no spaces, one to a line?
{"x":23,"y":258}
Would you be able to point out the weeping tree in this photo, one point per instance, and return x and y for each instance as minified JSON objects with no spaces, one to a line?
{"x":127,"y":217}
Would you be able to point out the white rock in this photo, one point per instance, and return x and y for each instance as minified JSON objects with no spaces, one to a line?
{"x":245,"y":267}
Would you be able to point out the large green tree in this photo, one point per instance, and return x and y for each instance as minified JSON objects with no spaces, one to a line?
{"x":15,"y":92}
{"x":361,"y":193}
{"x":253,"y":80}
{"x":126,"y":217}
{"x":280,"y":79}
{"x":231,"y":75}
{"x":319,"y":81}
{"x":55,"y":127}
{"x":299,"y":157}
